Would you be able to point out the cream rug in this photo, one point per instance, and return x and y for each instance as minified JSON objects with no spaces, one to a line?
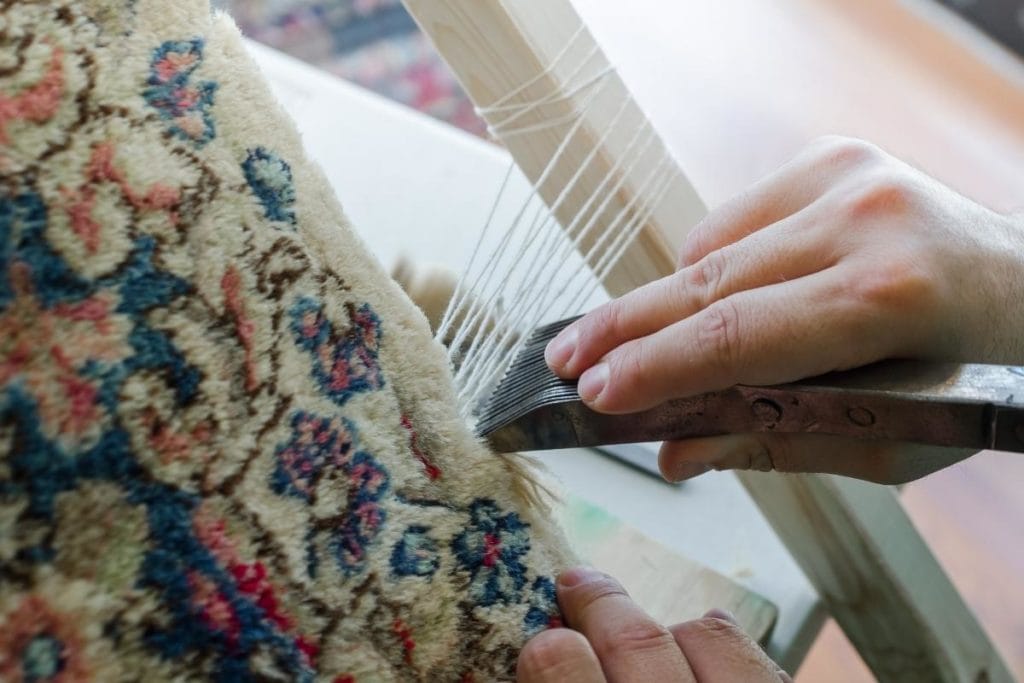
{"x":228,"y":445}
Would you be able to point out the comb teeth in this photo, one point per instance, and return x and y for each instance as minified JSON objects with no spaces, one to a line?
{"x":528,"y":383}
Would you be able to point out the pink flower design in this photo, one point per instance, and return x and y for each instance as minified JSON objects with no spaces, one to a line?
{"x":39,"y":643}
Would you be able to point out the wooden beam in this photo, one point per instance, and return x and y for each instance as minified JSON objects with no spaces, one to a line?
{"x":877,"y":577}
{"x":495,"y":47}
{"x":853,"y":540}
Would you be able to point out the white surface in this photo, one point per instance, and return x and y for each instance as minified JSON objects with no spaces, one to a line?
{"x":411,"y":184}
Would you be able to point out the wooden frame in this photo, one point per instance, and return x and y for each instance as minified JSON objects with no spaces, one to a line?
{"x":854,"y":541}
{"x":495,"y":48}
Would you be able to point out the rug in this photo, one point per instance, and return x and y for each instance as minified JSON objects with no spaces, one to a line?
{"x":374,"y":43}
{"x":229,"y":448}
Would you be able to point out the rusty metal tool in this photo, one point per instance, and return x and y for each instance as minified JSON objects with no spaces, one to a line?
{"x":940,"y":404}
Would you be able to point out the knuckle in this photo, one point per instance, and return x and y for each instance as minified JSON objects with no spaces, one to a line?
{"x":637,"y":637}
{"x":689,"y":250}
{"x":901,"y":284}
{"x":884,"y":192}
{"x":725,"y":638}
{"x":693,"y":247}
{"x":551,"y":651}
{"x":719,"y":335}
{"x":588,"y":595}
{"x":704,"y":279}
{"x":607,"y":319}
{"x":720,"y":629}
{"x":709,"y":630}
{"x":844,"y":152}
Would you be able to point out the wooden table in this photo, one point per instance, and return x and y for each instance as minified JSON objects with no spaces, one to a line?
{"x":738,"y":86}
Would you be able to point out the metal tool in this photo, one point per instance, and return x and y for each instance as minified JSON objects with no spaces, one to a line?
{"x":940,"y":404}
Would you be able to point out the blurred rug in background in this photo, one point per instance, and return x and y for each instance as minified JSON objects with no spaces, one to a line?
{"x":374,"y":43}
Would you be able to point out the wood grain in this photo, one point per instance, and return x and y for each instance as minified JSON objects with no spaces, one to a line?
{"x":670,"y":587}
{"x":496,"y":46}
{"x":877,"y":577}
{"x":970,"y":515}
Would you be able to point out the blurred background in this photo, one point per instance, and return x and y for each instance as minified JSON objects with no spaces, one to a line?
{"x":376,"y":44}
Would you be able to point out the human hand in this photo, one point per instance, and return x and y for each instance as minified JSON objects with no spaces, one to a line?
{"x":843,"y":257}
{"x":614,"y":640}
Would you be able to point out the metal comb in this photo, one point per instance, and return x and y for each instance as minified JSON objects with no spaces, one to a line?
{"x":940,"y":404}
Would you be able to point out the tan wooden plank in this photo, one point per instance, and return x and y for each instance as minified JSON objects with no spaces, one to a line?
{"x":496,"y":46}
{"x":877,"y":577}
{"x":672,"y":588}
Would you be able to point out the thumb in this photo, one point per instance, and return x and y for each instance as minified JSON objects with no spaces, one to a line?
{"x":883,"y":462}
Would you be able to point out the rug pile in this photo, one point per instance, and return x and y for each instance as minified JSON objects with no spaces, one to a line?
{"x":228,"y":444}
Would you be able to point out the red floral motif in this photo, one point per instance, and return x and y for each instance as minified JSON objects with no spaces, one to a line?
{"x":51,"y":347}
{"x":432,"y":471}
{"x":252,"y":581}
{"x":176,"y":445}
{"x":231,"y":285}
{"x":404,"y":634}
{"x":215,"y":608}
{"x":39,"y":643}
{"x":168,"y":66}
{"x":79,"y":203}
{"x":38,"y":103}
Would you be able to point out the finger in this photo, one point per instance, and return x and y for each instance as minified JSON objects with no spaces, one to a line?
{"x":773,"y":334}
{"x":630,"y":645}
{"x":794,"y":186}
{"x":883,"y":462}
{"x":788,"y":250}
{"x":558,"y":655}
{"x":720,"y":652}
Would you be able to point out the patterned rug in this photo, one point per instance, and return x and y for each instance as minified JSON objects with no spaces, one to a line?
{"x":228,"y":443}
{"x":374,"y":43}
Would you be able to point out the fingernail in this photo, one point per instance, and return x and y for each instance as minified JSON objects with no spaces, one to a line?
{"x":577,"y":576}
{"x":592,"y":382}
{"x":561,"y":349}
{"x":682,"y":471}
{"x":724,"y":615}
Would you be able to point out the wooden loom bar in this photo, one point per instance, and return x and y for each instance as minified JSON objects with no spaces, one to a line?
{"x":854,"y":541}
{"x":497,"y":46}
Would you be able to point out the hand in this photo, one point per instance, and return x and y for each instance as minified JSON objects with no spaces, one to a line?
{"x":614,"y":640}
{"x":843,"y":257}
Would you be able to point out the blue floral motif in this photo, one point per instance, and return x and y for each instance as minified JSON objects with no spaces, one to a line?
{"x":492,"y":549}
{"x":23,"y":220}
{"x":364,"y":517}
{"x":543,"y":612}
{"x":270,"y":178}
{"x":317,"y":447}
{"x":41,"y":468}
{"x":170,"y":91}
{"x":343,"y":364}
{"x":416,"y":554}
{"x":316,"y":444}
{"x":41,"y":658}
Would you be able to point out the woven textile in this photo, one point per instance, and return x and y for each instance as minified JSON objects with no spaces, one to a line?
{"x":374,"y":43}
{"x":228,"y":445}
